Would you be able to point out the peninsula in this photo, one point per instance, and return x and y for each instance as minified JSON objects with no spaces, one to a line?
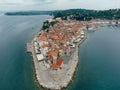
{"x":55,"y":52}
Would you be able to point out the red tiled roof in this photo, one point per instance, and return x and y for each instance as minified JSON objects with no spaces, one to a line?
{"x":59,"y":61}
{"x":50,"y":58}
{"x":63,"y":42}
{"x":42,"y":38}
{"x":55,"y":66}
{"x":52,"y":53}
{"x":44,"y":46}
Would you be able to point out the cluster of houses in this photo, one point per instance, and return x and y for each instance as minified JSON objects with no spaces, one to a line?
{"x":51,"y":46}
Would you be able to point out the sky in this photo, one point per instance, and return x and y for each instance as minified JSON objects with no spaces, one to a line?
{"x":20,"y":5}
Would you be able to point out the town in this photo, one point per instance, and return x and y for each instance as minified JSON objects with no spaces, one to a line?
{"x":53,"y":47}
{"x":55,"y":52}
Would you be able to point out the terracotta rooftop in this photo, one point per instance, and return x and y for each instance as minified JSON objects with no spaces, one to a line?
{"x":58,"y":63}
{"x":44,"y":46}
{"x":50,"y":58}
{"x":42,"y":38}
{"x":58,"y":36}
{"x":52,"y":53}
{"x":55,"y":66}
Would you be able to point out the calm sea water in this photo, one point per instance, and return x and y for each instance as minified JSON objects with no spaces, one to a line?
{"x":99,"y":56}
{"x":16,"y":71}
{"x":99,"y":67}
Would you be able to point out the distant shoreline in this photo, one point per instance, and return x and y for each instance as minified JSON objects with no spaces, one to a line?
{"x":28,"y":13}
{"x":73,"y":14}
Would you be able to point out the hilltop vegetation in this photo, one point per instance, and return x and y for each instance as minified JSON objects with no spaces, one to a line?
{"x":47,"y":24}
{"x":29,"y":13}
{"x":83,"y":14}
{"x":77,"y":14}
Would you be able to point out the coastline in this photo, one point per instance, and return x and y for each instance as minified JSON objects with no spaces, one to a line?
{"x":62,"y":78}
{"x":73,"y":63}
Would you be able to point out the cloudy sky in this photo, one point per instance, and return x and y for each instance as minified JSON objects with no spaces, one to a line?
{"x":57,"y":4}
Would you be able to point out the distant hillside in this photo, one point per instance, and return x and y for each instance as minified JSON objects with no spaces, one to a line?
{"x":84,"y":14}
{"x":75,"y":14}
{"x":29,"y":13}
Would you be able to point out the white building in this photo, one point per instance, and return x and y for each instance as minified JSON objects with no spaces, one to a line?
{"x":40,"y":57}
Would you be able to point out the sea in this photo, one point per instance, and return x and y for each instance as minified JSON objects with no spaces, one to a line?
{"x":99,"y":61}
{"x":16,"y":66}
{"x":99,"y":56}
